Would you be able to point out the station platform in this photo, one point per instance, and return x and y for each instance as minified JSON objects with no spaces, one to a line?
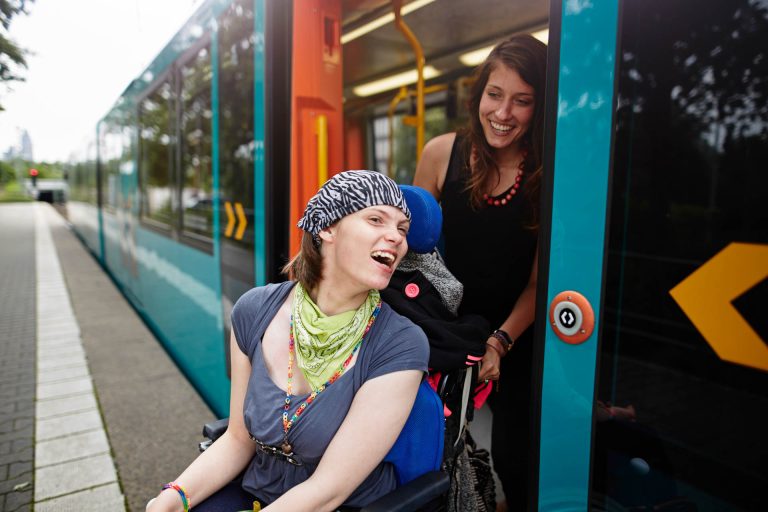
{"x":94,"y":415}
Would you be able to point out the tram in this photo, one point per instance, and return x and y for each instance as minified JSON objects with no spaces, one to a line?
{"x":653,"y":259}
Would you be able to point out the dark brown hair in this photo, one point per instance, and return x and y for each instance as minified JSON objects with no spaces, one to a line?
{"x":307,"y":266}
{"x":528,"y":56}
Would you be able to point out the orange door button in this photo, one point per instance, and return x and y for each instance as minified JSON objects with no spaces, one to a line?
{"x":572,"y":317}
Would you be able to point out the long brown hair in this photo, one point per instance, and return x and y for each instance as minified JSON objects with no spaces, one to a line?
{"x":307,"y":266}
{"x":528,"y":56}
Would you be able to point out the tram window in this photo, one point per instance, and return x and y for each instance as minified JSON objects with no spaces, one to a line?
{"x":236,"y":118}
{"x":195,"y":146}
{"x":688,"y":180}
{"x":110,"y":153}
{"x":156,"y":157}
{"x":91,"y":191}
{"x":404,"y":162}
{"x":380,"y":143}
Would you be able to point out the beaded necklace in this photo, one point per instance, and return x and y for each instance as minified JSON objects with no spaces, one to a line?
{"x":506,"y":196}
{"x":287,"y":424}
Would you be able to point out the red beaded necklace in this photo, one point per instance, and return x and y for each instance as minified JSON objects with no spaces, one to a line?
{"x":287,"y":424}
{"x":506,"y":196}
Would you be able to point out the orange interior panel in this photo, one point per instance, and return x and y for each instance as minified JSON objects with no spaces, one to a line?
{"x":316,"y":90}
{"x":354,"y":143}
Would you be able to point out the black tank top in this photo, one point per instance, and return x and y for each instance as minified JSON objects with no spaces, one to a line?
{"x":489,"y":249}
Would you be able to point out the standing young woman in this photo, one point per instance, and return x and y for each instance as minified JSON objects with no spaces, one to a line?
{"x":487,"y":178}
{"x":318,"y":365}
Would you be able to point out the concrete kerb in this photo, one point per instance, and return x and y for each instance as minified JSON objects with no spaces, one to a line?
{"x":73,"y":466}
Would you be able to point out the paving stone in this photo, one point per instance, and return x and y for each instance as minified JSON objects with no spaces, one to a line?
{"x":69,"y":477}
{"x":18,"y":469}
{"x":62,"y":362}
{"x":71,"y":447}
{"x":14,"y":455}
{"x":68,"y":424}
{"x":61,"y":374}
{"x":18,"y":501}
{"x":66,"y":388}
{"x":60,"y":351}
{"x":17,"y":349}
{"x":68,"y":405}
{"x":107,"y":497}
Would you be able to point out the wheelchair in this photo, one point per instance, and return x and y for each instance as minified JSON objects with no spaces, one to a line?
{"x":421,"y":451}
{"x":417,"y":456}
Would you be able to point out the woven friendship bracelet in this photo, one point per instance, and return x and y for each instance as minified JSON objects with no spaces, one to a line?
{"x":176,"y":487}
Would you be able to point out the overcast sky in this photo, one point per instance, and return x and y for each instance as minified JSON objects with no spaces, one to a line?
{"x":84,"y":54}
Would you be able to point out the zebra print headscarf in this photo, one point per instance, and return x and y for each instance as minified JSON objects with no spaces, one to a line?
{"x":349,"y":192}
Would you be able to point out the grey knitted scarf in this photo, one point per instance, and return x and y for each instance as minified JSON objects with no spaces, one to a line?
{"x":433,"y":267}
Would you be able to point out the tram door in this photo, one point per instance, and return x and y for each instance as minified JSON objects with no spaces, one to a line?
{"x":654,"y":274}
{"x":253,"y":42}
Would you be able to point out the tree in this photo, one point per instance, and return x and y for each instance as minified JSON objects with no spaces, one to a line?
{"x":11,"y":55}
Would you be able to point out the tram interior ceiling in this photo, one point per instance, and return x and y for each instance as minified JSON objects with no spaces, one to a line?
{"x":379,"y":62}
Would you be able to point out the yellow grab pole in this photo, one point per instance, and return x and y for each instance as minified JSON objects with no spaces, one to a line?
{"x":321,"y":126}
{"x":419,"y":53}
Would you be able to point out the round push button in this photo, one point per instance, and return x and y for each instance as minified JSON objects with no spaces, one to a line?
{"x":571,"y":317}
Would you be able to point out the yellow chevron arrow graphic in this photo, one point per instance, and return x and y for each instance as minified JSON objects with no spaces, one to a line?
{"x":243,"y":221}
{"x":230,"y":219}
{"x":706,"y":298}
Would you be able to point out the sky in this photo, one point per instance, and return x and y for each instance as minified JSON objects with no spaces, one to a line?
{"x":83,"y":54}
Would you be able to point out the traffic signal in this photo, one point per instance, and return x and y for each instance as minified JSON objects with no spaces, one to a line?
{"x":33,"y":174}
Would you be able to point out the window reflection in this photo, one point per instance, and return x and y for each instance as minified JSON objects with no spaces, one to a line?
{"x":236,"y":114}
{"x":156,"y":155}
{"x":688,"y":179}
{"x":195,"y":145}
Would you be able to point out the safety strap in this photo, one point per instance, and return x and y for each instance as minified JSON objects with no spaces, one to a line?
{"x":464,"y":403}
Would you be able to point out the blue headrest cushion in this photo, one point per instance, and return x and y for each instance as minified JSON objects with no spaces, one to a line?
{"x":426,"y":219}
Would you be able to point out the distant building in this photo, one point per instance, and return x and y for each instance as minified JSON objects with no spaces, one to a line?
{"x":22,"y":149}
{"x":25,"y":144}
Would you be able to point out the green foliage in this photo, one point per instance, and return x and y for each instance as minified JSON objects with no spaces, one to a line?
{"x":7,"y":173}
{"x":11,"y":171}
{"x":11,"y":55}
{"x":12,"y":192}
{"x":47,"y":170}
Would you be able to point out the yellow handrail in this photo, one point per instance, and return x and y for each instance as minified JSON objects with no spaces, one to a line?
{"x":402,"y":27}
{"x":321,"y":126}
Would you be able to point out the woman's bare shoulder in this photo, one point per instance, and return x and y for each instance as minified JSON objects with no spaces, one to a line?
{"x":441,"y":145}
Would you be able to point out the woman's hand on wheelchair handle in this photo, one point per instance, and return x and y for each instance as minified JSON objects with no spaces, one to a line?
{"x":490,"y":366}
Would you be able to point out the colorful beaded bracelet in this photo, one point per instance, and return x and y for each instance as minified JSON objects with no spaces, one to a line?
{"x":182,"y":493}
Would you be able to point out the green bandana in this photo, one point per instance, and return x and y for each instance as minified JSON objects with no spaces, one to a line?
{"x":322,"y":343}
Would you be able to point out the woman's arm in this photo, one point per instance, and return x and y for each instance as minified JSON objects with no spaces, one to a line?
{"x":433,"y":166}
{"x":227,"y":457}
{"x":521,"y":317}
{"x":374,"y":421}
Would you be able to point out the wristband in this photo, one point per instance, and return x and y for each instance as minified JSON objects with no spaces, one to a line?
{"x":494,"y":347}
{"x":506,"y":341}
{"x":182,"y":494}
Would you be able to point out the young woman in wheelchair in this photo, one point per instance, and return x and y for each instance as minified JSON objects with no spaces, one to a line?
{"x":323,"y":373}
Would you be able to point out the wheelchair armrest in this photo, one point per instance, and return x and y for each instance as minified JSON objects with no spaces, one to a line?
{"x":412,"y":495}
{"x":212,"y":431}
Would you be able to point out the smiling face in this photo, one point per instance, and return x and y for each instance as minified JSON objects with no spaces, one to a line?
{"x":362,"y":250}
{"x":506,"y":107}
